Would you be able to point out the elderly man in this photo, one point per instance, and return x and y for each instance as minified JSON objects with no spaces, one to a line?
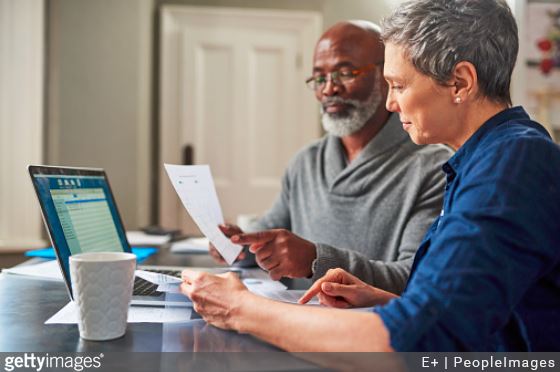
{"x":364,"y":193}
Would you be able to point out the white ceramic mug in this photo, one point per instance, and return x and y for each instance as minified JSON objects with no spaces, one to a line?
{"x":102,"y":288}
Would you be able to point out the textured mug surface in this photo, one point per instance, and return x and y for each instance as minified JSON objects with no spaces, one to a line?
{"x":102,"y":288}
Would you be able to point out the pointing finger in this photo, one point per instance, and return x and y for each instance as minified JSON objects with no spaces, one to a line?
{"x":252,"y":238}
{"x":311,"y":292}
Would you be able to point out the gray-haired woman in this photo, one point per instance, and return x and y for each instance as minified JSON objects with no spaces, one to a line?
{"x":487,"y":275}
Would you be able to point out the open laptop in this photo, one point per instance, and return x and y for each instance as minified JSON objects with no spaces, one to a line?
{"x":81,"y":215}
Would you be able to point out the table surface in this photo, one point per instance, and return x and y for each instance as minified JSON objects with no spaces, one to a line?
{"x":26,"y":303}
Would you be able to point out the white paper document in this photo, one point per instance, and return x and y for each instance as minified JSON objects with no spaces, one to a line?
{"x":273,"y":290}
{"x":255,"y":280}
{"x":45,"y":270}
{"x":136,"y":314}
{"x":190,"y":245}
{"x":141,"y":238}
{"x":156,"y":278}
{"x":195,"y":187}
{"x":169,"y":288}
{"x":286,"y":295}
{"x":256,"y":285}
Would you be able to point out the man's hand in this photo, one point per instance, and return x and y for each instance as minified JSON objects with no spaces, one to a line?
{"x":215,"y":297}
{"x":338,"y":288}
{"x":280,"y":252}
{"x":229,"y":231}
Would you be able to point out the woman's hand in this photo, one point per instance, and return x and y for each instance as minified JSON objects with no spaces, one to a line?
{"x":217,"y":298}
{"x":338,"y":288}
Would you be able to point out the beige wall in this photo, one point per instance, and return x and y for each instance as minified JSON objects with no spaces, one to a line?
{"x":99,"y":94}
{"x":100,"y":90}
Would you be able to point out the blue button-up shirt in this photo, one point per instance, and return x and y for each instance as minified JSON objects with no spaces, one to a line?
{"x":487,"y":275}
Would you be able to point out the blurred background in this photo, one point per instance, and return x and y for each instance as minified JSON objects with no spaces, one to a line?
{"x":127,"y":85}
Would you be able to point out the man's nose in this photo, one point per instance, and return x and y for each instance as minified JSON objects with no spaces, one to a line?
{"x":330,"y":88}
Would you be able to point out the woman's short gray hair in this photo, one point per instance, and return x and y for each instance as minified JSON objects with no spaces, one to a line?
{"x":438,"y":34}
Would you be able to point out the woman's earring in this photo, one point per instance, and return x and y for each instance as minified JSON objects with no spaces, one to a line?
{"x":457,"y":99}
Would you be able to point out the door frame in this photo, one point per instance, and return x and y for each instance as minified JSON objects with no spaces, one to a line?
{"x":306,"y":23}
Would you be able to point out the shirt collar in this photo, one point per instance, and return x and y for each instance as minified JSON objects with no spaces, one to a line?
{"x":391,"y":134}
{"x":464,"y":153}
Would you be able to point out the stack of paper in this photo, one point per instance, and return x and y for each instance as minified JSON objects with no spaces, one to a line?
{"x":141,"y":238}
{"x":45,"y":270}
{"x":136,"y":314}
{"x":256,"y":281}
{"x":287,"y":295}
{"x":190,"y":245}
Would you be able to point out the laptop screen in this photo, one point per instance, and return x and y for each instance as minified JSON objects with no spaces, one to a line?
{"x":80,"y":212}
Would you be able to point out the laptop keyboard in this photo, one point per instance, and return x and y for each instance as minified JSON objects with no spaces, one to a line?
{"x":143,"y":287}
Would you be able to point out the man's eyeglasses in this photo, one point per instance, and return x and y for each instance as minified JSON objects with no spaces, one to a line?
{"x":343,"y":76}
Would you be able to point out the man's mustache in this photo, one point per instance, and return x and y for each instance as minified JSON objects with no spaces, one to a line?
{"x":329,"y":101}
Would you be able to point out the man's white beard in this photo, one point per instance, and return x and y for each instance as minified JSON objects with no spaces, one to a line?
{"x":359,"y":112}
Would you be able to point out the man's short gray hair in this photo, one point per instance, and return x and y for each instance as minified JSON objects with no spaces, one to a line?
{"x":438,"y":34}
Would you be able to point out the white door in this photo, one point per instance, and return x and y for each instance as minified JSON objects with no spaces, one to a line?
{"x":233,"y":96}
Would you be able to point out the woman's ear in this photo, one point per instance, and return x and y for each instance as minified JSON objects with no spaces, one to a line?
{"x":464,"y":81}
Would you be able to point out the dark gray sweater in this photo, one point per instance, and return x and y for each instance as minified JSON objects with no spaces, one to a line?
{"x":367,"y":217}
